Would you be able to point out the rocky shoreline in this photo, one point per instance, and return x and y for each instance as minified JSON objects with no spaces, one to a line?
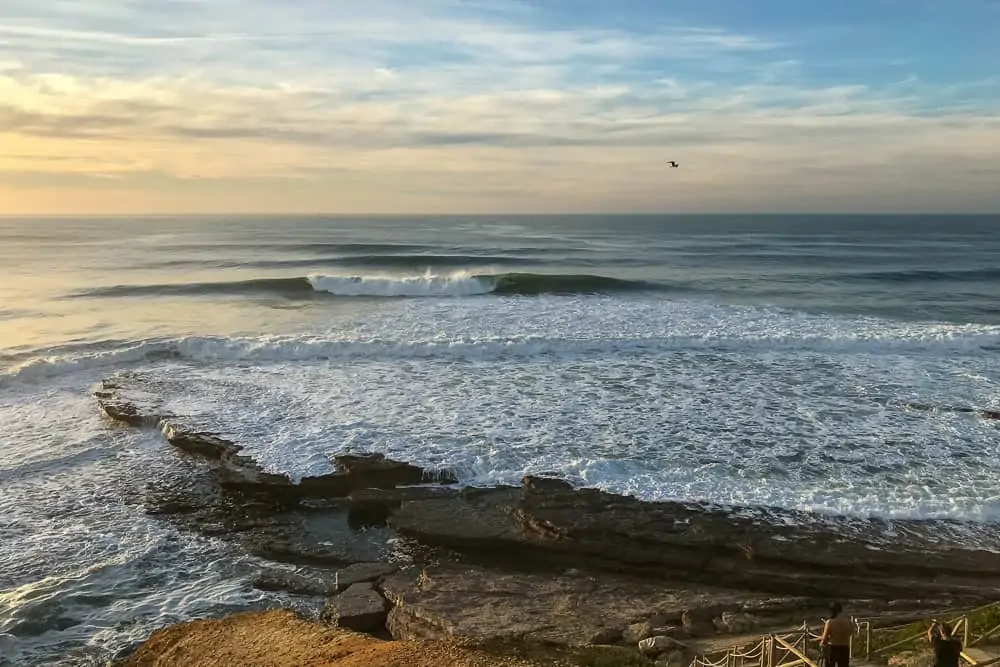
{"x":544,"y":562}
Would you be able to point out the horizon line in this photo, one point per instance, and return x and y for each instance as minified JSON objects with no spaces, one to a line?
{"x":8,"y":216}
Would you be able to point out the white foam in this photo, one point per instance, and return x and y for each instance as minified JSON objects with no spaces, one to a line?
{"x":556,"y":328}
{"x":78,"y":546}
{"x":459,"y":283}
{"x":660,"y":399}
{"x":814,"y":426}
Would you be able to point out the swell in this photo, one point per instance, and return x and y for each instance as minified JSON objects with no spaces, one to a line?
{"x":461,"y":283}
{"x":287,"y":286}
{"x":417,"y":262}
{"x":923,"y":275}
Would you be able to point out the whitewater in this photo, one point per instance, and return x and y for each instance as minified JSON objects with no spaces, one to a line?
{"x":830,"y":365}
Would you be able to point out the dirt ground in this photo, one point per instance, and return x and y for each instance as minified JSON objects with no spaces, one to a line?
{"x":284,"y":639}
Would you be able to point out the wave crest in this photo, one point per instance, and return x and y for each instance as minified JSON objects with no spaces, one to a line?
{"x":460,"y":283}
{"x":429,"y":284}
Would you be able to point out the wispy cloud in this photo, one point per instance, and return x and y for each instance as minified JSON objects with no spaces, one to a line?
{"x":461,"y":105}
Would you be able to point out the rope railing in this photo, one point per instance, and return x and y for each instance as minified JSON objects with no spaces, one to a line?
{"x":773,"y":650}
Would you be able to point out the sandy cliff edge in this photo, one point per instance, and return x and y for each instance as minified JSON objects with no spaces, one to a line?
{"x":282,"y":638}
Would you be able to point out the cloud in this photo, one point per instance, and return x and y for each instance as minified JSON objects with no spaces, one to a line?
{"x":453,"y":99}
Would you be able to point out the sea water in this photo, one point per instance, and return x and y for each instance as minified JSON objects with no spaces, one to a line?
{"x":761,"y":361}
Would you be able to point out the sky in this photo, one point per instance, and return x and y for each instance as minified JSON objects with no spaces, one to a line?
{"x":488,"y":106}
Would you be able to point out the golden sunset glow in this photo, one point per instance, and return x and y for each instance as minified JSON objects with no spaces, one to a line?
{"x":397,"y":108}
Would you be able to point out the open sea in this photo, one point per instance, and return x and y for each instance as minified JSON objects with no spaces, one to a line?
{"x":751,"y":360}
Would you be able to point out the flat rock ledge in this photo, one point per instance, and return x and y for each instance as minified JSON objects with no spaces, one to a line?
{"x":360,"y":608}
{"x":756,"y":549}
{"x":573,"y":608}
{"x":320,"y":582}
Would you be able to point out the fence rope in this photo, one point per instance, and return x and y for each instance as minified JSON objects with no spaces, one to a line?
{"x":763,"y":654}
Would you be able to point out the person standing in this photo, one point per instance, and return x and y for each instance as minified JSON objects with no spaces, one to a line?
{"x":947,"y":649}
{"x":836,"y":638}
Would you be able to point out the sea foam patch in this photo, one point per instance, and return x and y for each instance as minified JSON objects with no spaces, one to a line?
{"x":546,"y":327}
{"x":659,"y":399}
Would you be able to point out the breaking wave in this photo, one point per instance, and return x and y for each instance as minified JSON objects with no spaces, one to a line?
{"x":282,"y":349}
{"x":457,"y":284}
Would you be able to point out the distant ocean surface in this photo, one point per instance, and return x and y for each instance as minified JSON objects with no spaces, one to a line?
{"x":751,"y":360}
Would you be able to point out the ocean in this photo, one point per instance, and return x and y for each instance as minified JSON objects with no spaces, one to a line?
{"x":828,"y":363}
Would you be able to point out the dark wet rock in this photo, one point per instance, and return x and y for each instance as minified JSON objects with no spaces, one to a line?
{"x":699,"y":622}
{"x":364,"y":572}
{"x":762,"y":549}
{"x":204,"y":444}
{"x":324,"y":505}
{"x":243,"y":474}
{"x":128,"y":400}
{"x":125,"y":412}
{"x":736,"y":623}
{"x":658,"y":645}
{"x":138,"y":409}
{"x":778,"y":606}
{"x":472,"y":520}
{"x":315,"y":583}
{"x":375,"y":471}
{"x":659,"y":620}
{"x":359,"y":608}
{"x":606,"y":636}
{"x":486,"y":604}
{"x":636,"y":632}
{"x":368,"y":471}
{"x":545,"y":484}
{"x":673,"y":631}
{"x":373,"y":507}
{"x":321,"y":582}
{"x":298,"y":553}
{"x":985,"y":413}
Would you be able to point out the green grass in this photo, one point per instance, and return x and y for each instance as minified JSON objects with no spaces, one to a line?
{"x":980,"y":621}
{"x":984,"y":621}
{"x":609,"y":656}
{"x":888,"y":636}
{"x":563,"y":656}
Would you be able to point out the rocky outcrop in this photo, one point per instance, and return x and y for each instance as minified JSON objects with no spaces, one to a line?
{"x":985,"y":413}
{"x":373,"y":507}
{"x":659,"y":645}
{"x":485,"y":604}
{"x":321,"y":582}
{"x":605,"y":637}
{"x":318,"y":583}
{"x":360,"y":608}
{"x":765,"y":550}
{"x":368,"y":471}
{"x":365,"y":572}
{"x":128,"y":401}
{"x":543,"y":561}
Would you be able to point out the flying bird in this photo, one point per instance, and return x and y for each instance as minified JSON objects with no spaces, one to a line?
{"x":673,"y":164}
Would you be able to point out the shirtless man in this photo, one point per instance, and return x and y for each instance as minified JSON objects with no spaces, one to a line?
{"x":836,"y":638}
